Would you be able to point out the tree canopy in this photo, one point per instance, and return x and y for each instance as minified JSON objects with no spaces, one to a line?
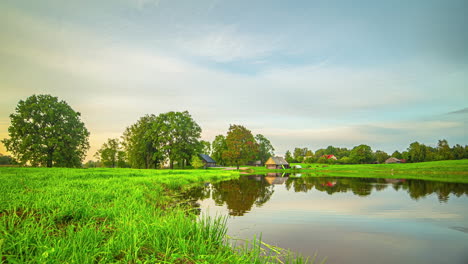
{"x":241,"y":146}
{"x":265,"y":149}
{"x":171,"y":136}
{"x":111,"y":154}
{"x":47,"y":132}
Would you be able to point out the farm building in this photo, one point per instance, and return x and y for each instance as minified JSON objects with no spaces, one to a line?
{"x":207,"y":160}
{"x":277,"y":163}
{"x":392,"y":160}
{"x":330,"y":157}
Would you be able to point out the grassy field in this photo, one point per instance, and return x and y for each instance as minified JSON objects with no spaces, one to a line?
{"x":111,"y":215}
{"x":449,"y":170}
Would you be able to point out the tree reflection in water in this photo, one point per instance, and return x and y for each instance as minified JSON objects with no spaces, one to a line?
{"x":241,"y":194}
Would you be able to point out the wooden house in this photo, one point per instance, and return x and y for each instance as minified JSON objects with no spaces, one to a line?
{"x":277,"y":163}
{"x":392,"y":160}
{"x":207,"y":160}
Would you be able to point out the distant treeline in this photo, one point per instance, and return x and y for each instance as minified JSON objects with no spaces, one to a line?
{"x":361,"y":154}
{"x":46,"y":131}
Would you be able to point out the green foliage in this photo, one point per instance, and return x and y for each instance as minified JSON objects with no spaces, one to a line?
{"x":299,"y":154}
{"x":196,"y":162}
{"x":172,"y":136}
{"x":206,"y":147}
{"x":265,"y":149}
{"x":47,"y":132}
{"x":397,"y":154}
{"x":111,"y":154}
{"x":7,"y":160}
{"x":241,"y":146}
{"x":288,"y":157}
{"x":417,"y":152}
{"x":141,"y":142}
{"x":381,"y":156}
{"x":361,"y":154}
{"x":218,"y":148}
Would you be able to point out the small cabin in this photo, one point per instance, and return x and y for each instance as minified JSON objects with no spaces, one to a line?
{"x":392,"y":160}
{"x":277,"y":163}
{"x":207,"y":160}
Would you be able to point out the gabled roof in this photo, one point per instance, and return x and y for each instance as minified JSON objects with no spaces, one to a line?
{"x":277,"y":161}
{"x":207,"y":158}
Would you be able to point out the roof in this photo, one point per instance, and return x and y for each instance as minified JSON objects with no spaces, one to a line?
{"x":392,"y":160}
{"x":207,"y":158}
{"x":277,"y":161}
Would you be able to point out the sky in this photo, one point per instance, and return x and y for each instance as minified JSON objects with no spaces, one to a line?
{"x":302,"y":73}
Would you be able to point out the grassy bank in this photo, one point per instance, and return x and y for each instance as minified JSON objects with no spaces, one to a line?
{"x":449,"y":170}
{"x":109,"y":215}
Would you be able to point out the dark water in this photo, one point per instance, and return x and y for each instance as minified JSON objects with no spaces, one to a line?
{"x":347,"y":220}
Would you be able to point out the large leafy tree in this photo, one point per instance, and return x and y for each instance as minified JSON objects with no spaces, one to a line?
{"x":171,"y":136}
{"x":361,"y":154}
{"x":241,"y":146}
{"x":111,"y":153}
{"x":180,"y":136}
{"x":265,"y":149}
{"x":142,"y":144}
{"x":47,"y":132}
{"x":444,"y":152}
{"x":218,"y":146}
{"x":417,"y":152}
{"x":381,"y":156}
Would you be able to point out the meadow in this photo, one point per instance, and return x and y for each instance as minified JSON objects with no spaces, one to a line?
{"x":55,"y":215}
{"x":447,"y":170}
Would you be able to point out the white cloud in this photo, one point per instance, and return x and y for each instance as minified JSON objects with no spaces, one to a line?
{"x":225,"y":43}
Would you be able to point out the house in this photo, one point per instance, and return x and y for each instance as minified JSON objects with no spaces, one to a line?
{"x":276,"y":163}
{"x":330,"y":157}
{"x":256,"y":163}
{"x":207,"y":160}
{"x":276,"y":180}
{"x":392,"y":160}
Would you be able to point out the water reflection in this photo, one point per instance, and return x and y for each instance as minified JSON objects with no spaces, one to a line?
{"x":241,"y":194}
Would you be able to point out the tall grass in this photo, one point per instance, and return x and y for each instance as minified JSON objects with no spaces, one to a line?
{"x":111,"y":215}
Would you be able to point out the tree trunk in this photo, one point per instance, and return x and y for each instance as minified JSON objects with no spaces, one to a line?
{"x":50,"y":154}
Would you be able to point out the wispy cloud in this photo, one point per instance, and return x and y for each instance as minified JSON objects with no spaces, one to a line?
{"x":225,"y":43}
{"x":461,"y":111}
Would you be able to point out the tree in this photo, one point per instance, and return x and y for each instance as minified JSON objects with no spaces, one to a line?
{"x":180,"y":136}
{"x":361,"y":154}
{"x":299,"y":154}
{"x":196,"y":162}
{"x":241,"y":145}
{"x":444,"y":151}
{"x":206,"y":147}
{"x":458,"y":151}
{"x":142,"y":143}
{"x":7,"y":160}
{"x":288,"y":157}
{"x":381,"y":156}
{"x":397,"y":154}
{"x":417,"y":152}
{"x":218,"y":148}
{"x":265,"y":149}
{"x":111,"y":153}
{"x":47,"y":132}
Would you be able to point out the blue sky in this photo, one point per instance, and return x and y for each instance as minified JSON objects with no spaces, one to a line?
{"x":302,"y":73}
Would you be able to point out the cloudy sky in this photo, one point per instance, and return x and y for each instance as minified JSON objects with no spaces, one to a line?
{"x":302,"y":73}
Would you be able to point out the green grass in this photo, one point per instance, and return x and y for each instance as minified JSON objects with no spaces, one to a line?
{"x":112,"y":216}
{"x":449,"y":170}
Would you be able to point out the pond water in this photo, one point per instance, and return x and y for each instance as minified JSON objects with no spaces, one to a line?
{"x":346,"y":220}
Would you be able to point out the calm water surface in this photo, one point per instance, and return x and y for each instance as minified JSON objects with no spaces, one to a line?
{"x":347,"y":220}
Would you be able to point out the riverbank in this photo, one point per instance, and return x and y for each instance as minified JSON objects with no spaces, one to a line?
{"x":448,"y":170}
{"x":60,"y":215}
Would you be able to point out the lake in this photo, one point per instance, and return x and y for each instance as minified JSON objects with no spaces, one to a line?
{"x":345,"y":220}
